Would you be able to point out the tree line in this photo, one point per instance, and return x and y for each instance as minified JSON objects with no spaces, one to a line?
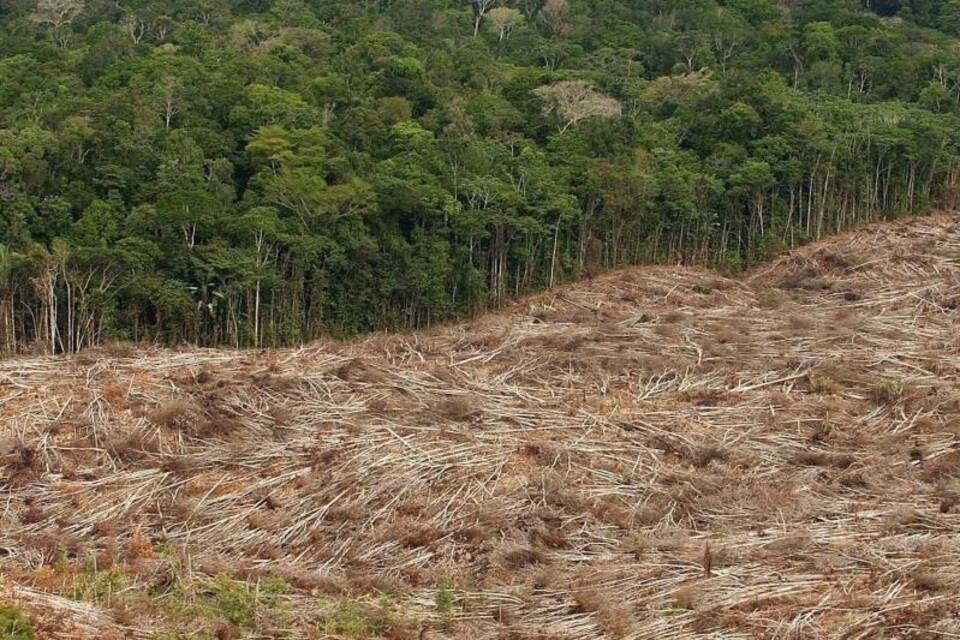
{"x":263,"y":172}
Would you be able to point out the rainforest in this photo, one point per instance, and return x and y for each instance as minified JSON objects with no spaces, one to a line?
{"x":254,"y":173}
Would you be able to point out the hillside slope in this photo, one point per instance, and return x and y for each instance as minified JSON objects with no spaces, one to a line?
{"x":656,"y":453}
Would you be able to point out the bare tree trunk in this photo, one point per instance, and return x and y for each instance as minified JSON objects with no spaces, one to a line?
{"x":553,"y":256}
{"x":256,"y":316}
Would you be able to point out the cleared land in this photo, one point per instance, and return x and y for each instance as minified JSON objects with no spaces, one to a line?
{"x":656,"y":453}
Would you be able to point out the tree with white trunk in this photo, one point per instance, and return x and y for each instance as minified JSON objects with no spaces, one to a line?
{"x":573,"y":101}
{"x":505,"y":20}
{"x":480,"y":10}
{"x":57,"y":13}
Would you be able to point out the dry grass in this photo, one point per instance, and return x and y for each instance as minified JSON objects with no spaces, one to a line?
{"x":457,"y":409}
{"x":170,"y":412}
{"x":656,"y":453}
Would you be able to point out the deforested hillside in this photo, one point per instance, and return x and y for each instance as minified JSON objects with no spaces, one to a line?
{"x":656,"y":453}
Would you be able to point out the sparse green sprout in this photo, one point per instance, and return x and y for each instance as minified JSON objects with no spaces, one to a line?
{"x":92,"y":585}
{"x":351,"y":620}
{"x":821,"y":432}
{"x":164,"y":549}
{"x":823,"y":384}
{"x":13,"y":624}
{"x":886,"y":391}
{"x":444,"y":598}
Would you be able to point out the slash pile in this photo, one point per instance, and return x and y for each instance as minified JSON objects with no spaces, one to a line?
{"x":656,"y":453}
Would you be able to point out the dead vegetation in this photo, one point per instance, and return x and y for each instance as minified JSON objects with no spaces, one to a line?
{"x":656,"y":453}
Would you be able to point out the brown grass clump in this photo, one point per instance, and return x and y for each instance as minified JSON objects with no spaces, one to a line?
{"x":666,"y":330}
{"x":799,"y":323}
{"x":770,"y":298}
{"x":21,"y":462}
{"x":706,"y":397}
{"x":518,"y":556}
{"x":131,"y":447}
{"x":273,"y":382}
{"x":589,"y":600}
{"x":813,"y":458}
{"x":412,"y":533}
{"x":615,"y":618}
{"x":108,"y":527}
{"x":851,"y":296}
{"x":565,"y":316}
{"x":347,"y":513}
{"x":357,"y":370}
{"x":834,"y":259}
{"x":264,"y":521}
{"x":808,"y":278}
{"x":823,"y":384}
{"x":457,"y":408}
{"x":484,"y":342}
{"x":312,"y":581}
{"x":362,"y":581}
{"x":550,"y":537}
{"x":118,"y":349}
{"x":907,"y":519}
{"x":942,"y":467}
{"x":928,"y":581}
{"x":546,"y":578}
{"x":687,"y":597}
{"x":788,"y":545}
{"x":708,"y":454}
{"x":171,"y":412}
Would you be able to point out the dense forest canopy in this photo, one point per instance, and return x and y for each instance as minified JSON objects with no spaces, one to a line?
{"x":258,"y":172}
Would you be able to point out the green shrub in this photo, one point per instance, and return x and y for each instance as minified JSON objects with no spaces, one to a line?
{"x":98,"y":586}
{"x":238,"y":602}
{"x":235,"y":601}
{"x":13,"y":624}
{"x":351,"y":620}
